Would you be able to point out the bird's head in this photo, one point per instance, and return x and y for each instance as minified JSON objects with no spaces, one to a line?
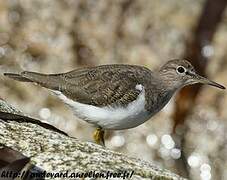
{"x":180,"y":73}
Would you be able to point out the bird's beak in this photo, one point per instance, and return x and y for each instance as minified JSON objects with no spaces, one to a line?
{"x":203,"y":80}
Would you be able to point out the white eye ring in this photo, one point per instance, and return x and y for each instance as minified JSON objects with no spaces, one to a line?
{"x":181,"y":70}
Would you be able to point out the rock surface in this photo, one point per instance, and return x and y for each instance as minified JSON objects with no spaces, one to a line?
{"x":55,"y":152}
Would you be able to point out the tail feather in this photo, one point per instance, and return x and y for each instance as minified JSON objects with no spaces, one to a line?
{"x":48,"y":81}
{"x":17,"y":77}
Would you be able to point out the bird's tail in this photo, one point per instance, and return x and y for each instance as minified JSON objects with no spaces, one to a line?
{"x":17,"y":77}
{"x":48,"y":81}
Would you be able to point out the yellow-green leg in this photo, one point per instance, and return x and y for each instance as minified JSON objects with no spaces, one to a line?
{"x":99,"y":136}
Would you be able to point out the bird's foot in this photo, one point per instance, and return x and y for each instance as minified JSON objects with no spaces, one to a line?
{"x":99,"y":136}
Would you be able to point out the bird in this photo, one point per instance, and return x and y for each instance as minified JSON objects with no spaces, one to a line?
{"x":117,"y":96}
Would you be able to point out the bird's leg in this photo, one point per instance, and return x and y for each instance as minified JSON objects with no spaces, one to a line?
{"x":99,"y":136}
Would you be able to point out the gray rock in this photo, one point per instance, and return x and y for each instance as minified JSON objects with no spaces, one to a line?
{"x":55,"y":152}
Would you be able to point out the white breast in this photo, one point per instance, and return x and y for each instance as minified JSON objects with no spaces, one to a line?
{"x":108,"y":117}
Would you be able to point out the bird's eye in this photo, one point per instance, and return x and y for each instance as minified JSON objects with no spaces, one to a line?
{"x":181,"y":69}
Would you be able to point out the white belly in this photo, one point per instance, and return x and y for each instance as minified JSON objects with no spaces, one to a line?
{"x":108,"y":117}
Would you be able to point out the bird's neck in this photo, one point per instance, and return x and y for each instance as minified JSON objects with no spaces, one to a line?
{"x":160,"y":92}
{"x":169,"y":82}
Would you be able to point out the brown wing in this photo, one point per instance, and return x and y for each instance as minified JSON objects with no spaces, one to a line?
{"x":101,"y":86}
{"x":104,"y":85}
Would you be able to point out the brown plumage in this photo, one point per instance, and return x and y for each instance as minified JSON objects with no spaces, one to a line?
{"x":99,"y":86}
{"x":131,"y":94}
{"x":110,"y":84}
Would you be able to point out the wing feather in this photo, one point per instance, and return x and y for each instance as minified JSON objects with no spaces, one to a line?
{"x":104,"y":85}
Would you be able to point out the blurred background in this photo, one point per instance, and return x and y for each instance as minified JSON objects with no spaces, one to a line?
{"x":189,"y":136}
